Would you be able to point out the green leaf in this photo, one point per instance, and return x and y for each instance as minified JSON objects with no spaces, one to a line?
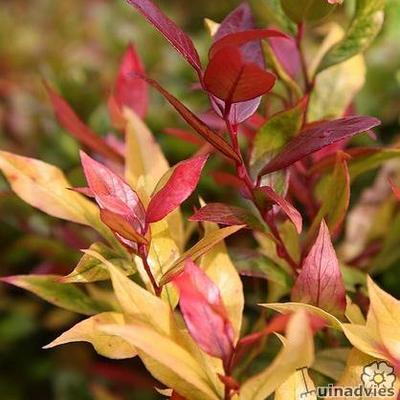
{"x":307,"y":10}
{"x":90,"y":269}
{"x":110,"y":346}
{"x":366,"y":24}
{"x":274,"y":134}
{"x":64,"y":295}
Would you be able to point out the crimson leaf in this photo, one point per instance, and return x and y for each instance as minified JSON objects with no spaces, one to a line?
{"x":177,"y":189}
{"x":175,"y":35}
{"x":317,"y":136}
{"x":74,"y":125}
{"x":225,"y":214}
{"x":231,"y":79}
{"x":197,"y":124}
{"x":131,"y":91}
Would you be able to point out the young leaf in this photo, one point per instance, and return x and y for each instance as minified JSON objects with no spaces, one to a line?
{"x":177,"y":189}
{"x":122,"y":225}
{"x":285,"y":206}
{"x":204,"y":312}
{"x":237,"y":39}
{"x":298,"y":352}
{"x":110,"y":190}
{"x":317,"y":136}
{"x":131,"y":91}
{"x":295,"y":386}
{"x":71,"y":122}
{"x":63,"y":295}
{"x":225,"y":214}
{"x":320,"y":281}
{"x":90,"y":269}
{"x":366,"y":24}
{"x":232,"y":80}
{"x":88,"y":330}
{"x":199,"y":126}
{"x":45,"y":187}
{"x":200,"y":248}
{"x":182,"y":43}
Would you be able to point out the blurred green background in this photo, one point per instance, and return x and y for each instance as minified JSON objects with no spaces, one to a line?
{"x":77,"y":45}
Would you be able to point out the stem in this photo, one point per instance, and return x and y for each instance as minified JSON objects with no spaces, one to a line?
{"x":244,"y":175}
{"x":143,"y":251}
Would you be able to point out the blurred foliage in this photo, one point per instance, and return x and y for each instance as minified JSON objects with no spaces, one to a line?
{"x":77,"y":46}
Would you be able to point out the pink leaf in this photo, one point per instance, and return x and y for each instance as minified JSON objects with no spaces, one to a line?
{"x":225,"y":214}
{"x":130,"y":90}
{"x":238,"y":39}
{"x":320,"y":281}
{"x":182,"y":43}
{"x":317,"y":136}
{"x":177,"y":189}
{"x":110,"y":190}
{"x":285,"y":206}
{"x":73,"y":124}
{"x":196,"y":123}
{"x":204,"y":312}
{"x":184,"y":135}
{"x":232,"y":80}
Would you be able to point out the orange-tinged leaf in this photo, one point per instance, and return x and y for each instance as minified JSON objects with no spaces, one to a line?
{"x":110,"y":346}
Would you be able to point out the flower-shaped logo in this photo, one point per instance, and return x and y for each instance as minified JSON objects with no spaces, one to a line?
{"x":378,"y":374}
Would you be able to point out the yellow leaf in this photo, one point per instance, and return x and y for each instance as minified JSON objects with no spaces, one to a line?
{"x":211,"y":26}
{"x":298,"y":386}
{"x":168,"y":361}
{"x":110,"y":346}
{"x":136,"y":301}
{"x":218,"y":266}
{"x":45,"y":187}
{"x":357,"y":365}
{"x":386,"y":310}
{"x":298,"y":352}
{"x":353,"y":313}
{"x":286,"y":308}
{"x":199,"y":249}
{"x":145,"y":166}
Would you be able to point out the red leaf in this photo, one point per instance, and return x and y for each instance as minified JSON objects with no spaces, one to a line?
{"x":225,"y":214}
{"x":71,"y":122}
{"x":111,"y":191}
{"x":285,"y":206}
{"x":204,"y":312}
{"x":238,"y":39}
{"x":184,"y":135}
{"x":182,"y":43}
{"x":176,"y":396}
{"x":199,"y":126}
{"x":120,"y":224}
{"x":320,"y":281}
{"x":177,"y":189}
{"x":225,"y":178}
{"x":317,"y":136}
{"x":130,"y":90}
{"x":232,"y":80}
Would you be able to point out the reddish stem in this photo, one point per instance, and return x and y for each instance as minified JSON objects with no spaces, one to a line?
{"x":143,"y":252}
